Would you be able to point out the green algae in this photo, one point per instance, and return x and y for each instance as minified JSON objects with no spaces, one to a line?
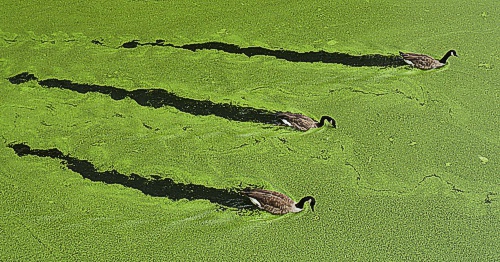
{"x":400,"y":178}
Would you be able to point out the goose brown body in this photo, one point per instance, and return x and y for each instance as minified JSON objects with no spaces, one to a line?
{"x":275,"y":202}
{"x":302,"y":122}
{"x":425,"y":62}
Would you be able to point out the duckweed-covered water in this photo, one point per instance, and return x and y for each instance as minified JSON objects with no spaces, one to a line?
{"x":410,"y":173}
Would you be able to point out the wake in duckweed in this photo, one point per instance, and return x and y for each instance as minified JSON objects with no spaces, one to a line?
{"x":155,"y":186}
{"x":377,"y":60}
{"x":158,"y":98}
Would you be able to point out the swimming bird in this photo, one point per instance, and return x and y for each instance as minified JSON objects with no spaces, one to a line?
{"x":302,"y":122}
{"x":275,"y":202}
{"x":426,"y":62}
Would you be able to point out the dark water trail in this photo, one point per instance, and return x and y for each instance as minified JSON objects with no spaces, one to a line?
{"x":159,"y":98}
{"x":288,"y":55}
{"x":155,"y":186}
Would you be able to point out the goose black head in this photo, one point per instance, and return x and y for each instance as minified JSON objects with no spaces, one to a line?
{"x":312,"y":203}
{"x":309,"y":199}
{"x":329,"y":120}
{"x":446,"y":56}
{"x":453,"y":53}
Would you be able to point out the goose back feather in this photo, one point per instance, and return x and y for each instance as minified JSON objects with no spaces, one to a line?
{"x":275,"y":202}
{"x":425,"y":62}
{"x":302,"y":122}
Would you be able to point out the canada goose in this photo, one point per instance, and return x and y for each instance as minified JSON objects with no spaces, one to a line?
{"x":425,"y":61}
{"x":275,"y":202}
{"x":302,"y":122}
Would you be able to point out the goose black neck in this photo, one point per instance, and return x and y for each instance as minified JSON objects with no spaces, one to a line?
{"x":446,"y":56}
{"x":323,"y":119}
{"x":304,"y":200}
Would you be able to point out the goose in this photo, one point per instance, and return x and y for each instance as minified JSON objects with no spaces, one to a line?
{"x":425,"y":61}
{"x":302,"y":122}
{"x":276,"y":203}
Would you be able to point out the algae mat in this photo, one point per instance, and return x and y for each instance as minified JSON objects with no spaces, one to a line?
{"x":410,"y":173}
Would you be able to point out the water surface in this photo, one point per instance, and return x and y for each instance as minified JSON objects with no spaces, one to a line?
{"x":410,"y":173}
